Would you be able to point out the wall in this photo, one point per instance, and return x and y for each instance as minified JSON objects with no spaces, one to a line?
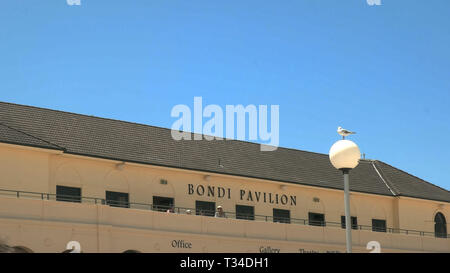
{"x":40,"y":170}
{"x":47,"y":226}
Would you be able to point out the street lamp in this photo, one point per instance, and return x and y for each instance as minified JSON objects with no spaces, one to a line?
{"x":345,"y":155}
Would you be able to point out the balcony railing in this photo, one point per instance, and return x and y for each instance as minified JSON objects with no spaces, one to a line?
{"x":198,"y":212}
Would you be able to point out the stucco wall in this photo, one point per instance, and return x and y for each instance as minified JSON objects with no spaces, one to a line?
{"x":40,"y":171}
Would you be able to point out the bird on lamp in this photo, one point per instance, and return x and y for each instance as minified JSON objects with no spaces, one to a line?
{"x":343,"y":132}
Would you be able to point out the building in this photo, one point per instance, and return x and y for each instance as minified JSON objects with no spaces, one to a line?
{"x":115,"y":186}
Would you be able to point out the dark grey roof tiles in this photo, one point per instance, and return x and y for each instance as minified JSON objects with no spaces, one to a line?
{"x":13,"y":136}
{"x":112,"y":139}
{"x":408,"y":185}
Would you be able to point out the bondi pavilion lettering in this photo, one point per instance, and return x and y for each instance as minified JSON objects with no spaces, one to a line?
{"x":244,"y":195}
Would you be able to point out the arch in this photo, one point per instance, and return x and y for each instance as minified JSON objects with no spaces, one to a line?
{"x":22,"y":249}
{"x":353,"y":207}
{"x":4,"y":248}
{"x":440,"y":226}
{"x":116,"y":181}
{"x":162,"y":190}
{"x":131,"y":251}
{"x":67,"y":175}
{"x":378,"y":212}
{"x":315,"y":207}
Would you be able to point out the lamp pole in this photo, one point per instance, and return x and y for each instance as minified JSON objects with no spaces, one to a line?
{"x":348,"y":226}
{"x":344,"y":156}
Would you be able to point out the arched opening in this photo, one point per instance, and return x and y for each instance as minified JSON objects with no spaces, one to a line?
{"x":22,"y":249}
{"x":131,"y":251}
{"x":440,"y":226}
{"x":4,"y":248}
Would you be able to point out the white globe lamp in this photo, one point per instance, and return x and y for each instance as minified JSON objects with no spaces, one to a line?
{"x":344,"y":156}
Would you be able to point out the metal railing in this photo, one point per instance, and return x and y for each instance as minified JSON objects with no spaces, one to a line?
{"x":210,"y":213}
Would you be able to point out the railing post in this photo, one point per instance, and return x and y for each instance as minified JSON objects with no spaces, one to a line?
{"x":17,"y":194}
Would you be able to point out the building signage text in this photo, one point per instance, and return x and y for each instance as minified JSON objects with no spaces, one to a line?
{"x":244,"y":195}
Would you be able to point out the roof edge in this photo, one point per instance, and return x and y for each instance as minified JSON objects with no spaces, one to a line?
{"x":422,"y":180}
{"x":57,"y":147}
{"x":153,"y":126}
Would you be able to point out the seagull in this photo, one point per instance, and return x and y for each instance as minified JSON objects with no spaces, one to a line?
{"x":343,"y":132}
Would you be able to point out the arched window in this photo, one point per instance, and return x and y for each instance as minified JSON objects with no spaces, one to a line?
{"x":440,"y":226}
{"x":22,"y":249}
{"x":131,"y":251}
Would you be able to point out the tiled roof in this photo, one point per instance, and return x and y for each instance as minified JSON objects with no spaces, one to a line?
{"x":13,"y":136}
{"x":408,"y":185}
{"x":131,"y":142}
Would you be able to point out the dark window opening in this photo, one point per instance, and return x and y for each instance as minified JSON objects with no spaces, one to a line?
{"x":205,"y":208}
{"x":282,"y":216}
{"x":353,"y":220}
{"x":245,"y":212}
{"x":163,"y":203}
{"x":117,"y":199}
{"x":22,"y":249}
{"x":316,"y":219}
{"x":68,"y":194}
{"x":378,"y":225}
{"x":440,"y":226}
{"x":131,"y":251}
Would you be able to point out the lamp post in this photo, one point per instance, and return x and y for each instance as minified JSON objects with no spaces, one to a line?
{"x":344,"y":156}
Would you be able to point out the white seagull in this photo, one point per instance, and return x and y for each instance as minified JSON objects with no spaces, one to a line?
{"x":343,"y":132}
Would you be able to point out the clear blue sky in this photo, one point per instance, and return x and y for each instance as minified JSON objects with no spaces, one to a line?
{"x":383,"y":71}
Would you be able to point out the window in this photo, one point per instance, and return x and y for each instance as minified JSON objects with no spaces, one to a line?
{"x":162,"y":203}
{"x":245,"y":212}
{"x":68,"y":194}
{"x":205,"y":208}
{"x":281,"y":216}
{"x":440,"y":226}
{"x":117,"y":199}
{"x":353,"y":220}
{"x":316,"y":219}
{"x":378,"y":225}
{"x":131,"y":251}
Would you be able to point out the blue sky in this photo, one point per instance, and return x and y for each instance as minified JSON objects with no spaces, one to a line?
{"x":383,"y":71}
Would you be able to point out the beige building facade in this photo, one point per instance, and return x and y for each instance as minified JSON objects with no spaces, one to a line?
{"x":50,"y":196}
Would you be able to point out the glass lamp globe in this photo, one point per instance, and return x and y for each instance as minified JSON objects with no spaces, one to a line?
{"x":344,"y":154}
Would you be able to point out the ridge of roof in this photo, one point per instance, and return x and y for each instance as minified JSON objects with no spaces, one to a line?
{"x":383,"y":177}
{"x":421,"y":180}
{"x":78,"y":114}
{"x":54,"y":146}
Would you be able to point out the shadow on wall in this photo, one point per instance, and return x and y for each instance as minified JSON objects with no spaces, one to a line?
{"x":4,"y":248}
{"x":131,"y":251}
